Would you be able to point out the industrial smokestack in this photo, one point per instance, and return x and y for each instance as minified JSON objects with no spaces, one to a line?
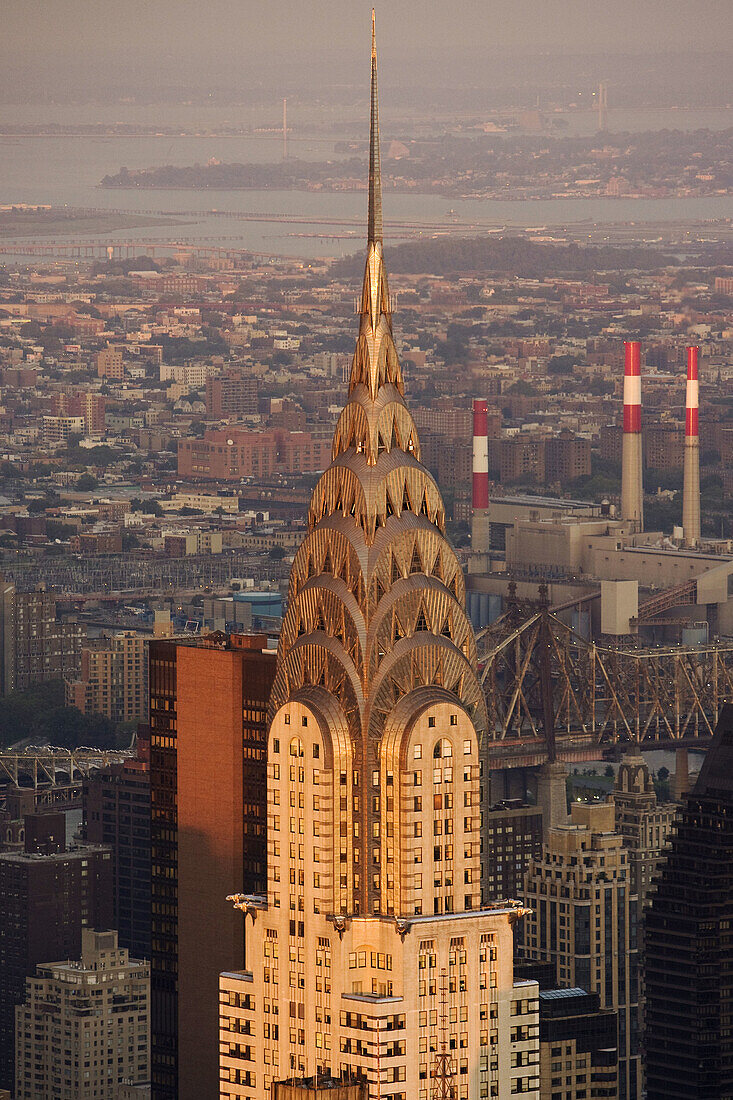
{"x":691,"y":487}
{"x":480,"y":498}
{"x":632,"y":491}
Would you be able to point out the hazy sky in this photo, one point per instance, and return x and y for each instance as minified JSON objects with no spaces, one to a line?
{"x":201,"y":40}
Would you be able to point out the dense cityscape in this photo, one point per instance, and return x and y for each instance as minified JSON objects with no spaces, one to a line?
{"x":366,"y":618}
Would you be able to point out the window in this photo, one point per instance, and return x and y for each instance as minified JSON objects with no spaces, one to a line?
{"x":417,"y":752}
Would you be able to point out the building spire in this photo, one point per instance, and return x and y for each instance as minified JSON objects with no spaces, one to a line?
{"x":375,"y":171}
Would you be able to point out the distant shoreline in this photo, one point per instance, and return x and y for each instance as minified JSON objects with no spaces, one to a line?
{"x":470,"y":196}
{"x":24,"y":224}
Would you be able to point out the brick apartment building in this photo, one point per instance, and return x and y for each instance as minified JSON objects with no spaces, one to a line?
{"x":567,"y":457}
{"x":110,"y":363}
{"x":662,"y":445}
{"x":84,"y":403}
{"x":236,"y":453}
{"x":231,"y":395}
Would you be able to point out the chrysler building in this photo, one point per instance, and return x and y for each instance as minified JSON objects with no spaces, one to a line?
{"x":371,"y":960}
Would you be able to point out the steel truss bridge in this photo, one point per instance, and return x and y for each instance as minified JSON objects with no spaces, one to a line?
{"x":553,"y":694}
{"x":52,"y":767}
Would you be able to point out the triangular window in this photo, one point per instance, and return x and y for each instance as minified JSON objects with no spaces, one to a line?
{"x":415,"y":563}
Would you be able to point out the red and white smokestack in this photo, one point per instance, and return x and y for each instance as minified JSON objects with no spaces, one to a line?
{"x":480,"y":454}
{"x":632,"y":491}
{"x":691,"y":484}
{"x":480,"y":497}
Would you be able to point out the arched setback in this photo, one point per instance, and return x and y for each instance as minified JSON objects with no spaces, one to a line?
{"x":430,"y":813}
{"x":310,"y":801}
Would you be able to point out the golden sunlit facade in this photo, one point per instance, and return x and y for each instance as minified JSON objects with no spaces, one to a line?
{"x":371,"y":956}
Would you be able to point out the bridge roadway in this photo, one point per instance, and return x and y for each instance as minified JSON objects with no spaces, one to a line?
{"x":51,"y":767}
{"x":577,"y":748}
{"x":56,"y":774}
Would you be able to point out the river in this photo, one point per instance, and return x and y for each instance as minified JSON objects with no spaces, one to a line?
{"x":67,"y":170}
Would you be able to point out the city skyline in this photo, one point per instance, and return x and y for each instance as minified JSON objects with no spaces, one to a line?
{"x":364,"y":620}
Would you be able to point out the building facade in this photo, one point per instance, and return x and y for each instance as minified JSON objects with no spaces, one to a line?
{"x":110,"y":363}
{"x":116,"y":803}
{"x":236,"y":453}
{"x":84,"y":1028}
{"x":46,"y":900}
{"x":113,"y":679}
{"x":208,"y":708}
{"x":644,"y":824}
{"x":585,"y":919}
{"x":42,"y":646}
{"x":688,"y":941}
{"x":370,"y":957}
{"x":512,"y":838}
{"x":232,"y":394}
{"x":578,"y":1055}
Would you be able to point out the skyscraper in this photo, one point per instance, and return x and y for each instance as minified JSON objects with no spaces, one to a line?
{"x":46,"y":900}
{"x":689,"y":942}
{"x":370,"y":957}
{"x":84,"y":1028}
{"x":116,"y":804}
{"x":208,"y":706}
{"x":584,"y":920}
{"x":643,"y":822}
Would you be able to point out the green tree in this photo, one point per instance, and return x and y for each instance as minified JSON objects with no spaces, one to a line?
{"x":86,"y":483}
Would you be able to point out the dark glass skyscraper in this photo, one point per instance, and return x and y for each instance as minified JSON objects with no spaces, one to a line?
{"x":689,"y":942}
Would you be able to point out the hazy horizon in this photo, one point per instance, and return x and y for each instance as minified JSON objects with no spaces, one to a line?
{"x":77,"y":49}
